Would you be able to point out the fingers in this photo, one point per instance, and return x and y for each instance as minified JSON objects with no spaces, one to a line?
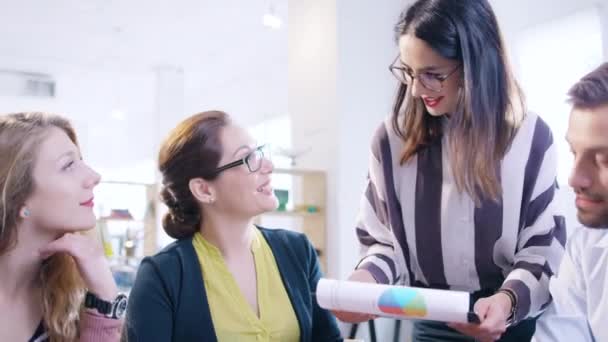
{"x":475,"y":331}
{"x":459,"y":326}
{"x":494,"y":321}
{"x":90,"y":260}
{"x":362,"y":275}
{"x":352,"y":317}
{"x":492,"y":324}
{"x":63,"y":244}
{"x":79,"y":246}
{"x":469,"y":329}
{"x":481,"y":308}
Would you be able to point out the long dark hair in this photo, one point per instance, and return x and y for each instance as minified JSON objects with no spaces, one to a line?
{"x":193,"y":149}
{"x":491,"y":104}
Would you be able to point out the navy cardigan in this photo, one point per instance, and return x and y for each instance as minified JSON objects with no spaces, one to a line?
{"x":168,"y":301}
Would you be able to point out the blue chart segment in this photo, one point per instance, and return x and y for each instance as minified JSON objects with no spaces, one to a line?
{"x":403,"y":302}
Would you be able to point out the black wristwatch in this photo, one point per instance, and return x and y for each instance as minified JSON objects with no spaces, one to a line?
{"x":115,"y":309}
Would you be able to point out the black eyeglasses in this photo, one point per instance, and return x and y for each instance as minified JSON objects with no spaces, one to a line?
{"x":253,"y":160}
{"x":431,"y":81}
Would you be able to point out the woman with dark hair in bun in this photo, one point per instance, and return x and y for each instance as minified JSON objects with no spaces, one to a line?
{"x":224,"y":278}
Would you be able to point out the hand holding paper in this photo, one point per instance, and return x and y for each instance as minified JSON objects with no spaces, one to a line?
{"x":395,"y":301}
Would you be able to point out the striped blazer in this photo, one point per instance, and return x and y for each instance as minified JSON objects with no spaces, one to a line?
{"x":415,"y":228}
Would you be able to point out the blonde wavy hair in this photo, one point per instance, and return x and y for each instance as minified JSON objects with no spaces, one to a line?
{"x":62,"y":287}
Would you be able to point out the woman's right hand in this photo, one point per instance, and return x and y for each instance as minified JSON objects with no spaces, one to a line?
{"x":92,"y":264}
{"x":363,"y":276}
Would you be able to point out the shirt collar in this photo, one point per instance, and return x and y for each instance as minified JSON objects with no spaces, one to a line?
{"x":603,"y":242}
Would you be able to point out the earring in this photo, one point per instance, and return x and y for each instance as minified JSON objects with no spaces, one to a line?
{"x":26,"y":212}
{"x":211,"y":200}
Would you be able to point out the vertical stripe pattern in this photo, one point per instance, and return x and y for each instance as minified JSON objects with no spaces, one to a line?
{"x":415,"y":228}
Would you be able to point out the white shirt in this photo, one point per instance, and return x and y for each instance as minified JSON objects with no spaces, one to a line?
{"x":579,"y":311}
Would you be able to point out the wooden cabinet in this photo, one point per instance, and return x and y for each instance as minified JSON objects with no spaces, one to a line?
{"x":305,"y":211}
{"x":127,"y":218}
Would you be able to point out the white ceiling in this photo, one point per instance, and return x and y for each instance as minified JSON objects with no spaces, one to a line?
{"x":516,"y":15}
{"x":214,"y":38}
{"x":103,"y":54}
{"x":111,"y":47}
{"x":200,"y":36}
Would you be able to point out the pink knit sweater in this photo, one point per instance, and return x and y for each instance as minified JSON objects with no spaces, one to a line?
{"x":94,"y":328}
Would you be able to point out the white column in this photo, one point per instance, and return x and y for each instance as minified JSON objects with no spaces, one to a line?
{"x":169,"y":102}
{"x":169,"y":107}
{"x":340,"y":90}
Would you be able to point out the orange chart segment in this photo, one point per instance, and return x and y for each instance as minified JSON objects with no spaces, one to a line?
{"x":403,"y":302}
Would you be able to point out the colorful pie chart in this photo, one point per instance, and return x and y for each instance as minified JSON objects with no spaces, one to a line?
{"x":402,"y":302}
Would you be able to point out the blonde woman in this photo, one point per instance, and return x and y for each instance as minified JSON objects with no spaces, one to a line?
{"x":56,"y":284}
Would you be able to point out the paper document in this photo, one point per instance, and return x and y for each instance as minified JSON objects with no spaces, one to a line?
{"x":395,"y":301}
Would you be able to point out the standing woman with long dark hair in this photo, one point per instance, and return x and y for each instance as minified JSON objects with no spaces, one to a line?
{"x":462,"y":178}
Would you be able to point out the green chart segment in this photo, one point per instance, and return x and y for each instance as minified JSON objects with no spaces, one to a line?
{"x":403,"y":302}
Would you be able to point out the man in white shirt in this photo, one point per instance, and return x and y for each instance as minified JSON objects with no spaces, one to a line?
{"x":579,"y":311}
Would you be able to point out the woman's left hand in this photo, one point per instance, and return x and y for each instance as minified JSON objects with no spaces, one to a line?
{"x":90,"y":259}
{"x":493,"y":312}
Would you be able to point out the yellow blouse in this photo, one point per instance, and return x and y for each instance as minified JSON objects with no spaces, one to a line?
{"x":233,"y":318}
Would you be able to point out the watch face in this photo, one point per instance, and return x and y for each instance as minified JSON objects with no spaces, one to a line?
{"x":121,"y":307}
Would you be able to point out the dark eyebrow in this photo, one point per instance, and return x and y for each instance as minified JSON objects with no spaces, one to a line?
{"x":425,"y":69}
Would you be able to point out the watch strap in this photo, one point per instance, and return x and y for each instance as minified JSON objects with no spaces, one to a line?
{"x":91,"y":301}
